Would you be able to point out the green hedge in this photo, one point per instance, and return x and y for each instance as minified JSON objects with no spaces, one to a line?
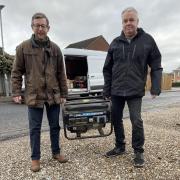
{"x":176,"y":84}
{"x":6,"y":62}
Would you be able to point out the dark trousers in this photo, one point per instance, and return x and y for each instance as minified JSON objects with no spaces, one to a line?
{"x":35,"y":120}
{"x":134,"y":106}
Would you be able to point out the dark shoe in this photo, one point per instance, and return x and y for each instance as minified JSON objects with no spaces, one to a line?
{"x":115,"y":152}
{"x":35,"y":165}
{"x":138,"y":160}
{"x":60,"y":158}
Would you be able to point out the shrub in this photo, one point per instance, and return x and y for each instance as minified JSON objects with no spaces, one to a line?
{"x":6,"y":62}
{"x":176,"y":84}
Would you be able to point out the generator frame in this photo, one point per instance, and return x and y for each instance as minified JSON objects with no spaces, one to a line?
{"x":81,"y":114}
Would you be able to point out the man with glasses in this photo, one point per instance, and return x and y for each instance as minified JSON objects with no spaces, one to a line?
{"x":40,"y":61}
{"x":125,"y":74}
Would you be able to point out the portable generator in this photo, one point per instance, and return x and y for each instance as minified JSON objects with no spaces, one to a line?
{"x":81,"y":115}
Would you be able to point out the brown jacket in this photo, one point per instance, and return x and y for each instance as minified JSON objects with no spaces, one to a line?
{"x":43,"y":68}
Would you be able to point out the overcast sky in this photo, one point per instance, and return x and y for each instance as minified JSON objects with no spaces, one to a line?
{"x":76,"y":20}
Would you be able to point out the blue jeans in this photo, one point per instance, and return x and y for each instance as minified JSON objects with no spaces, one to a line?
{"x":134,"y":106}
{"x":35,"y":120}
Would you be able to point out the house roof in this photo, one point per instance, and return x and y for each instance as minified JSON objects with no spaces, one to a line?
{"x":85,"y":43}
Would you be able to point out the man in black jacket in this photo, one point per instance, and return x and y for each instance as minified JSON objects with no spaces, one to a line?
{"x":125,"y":72}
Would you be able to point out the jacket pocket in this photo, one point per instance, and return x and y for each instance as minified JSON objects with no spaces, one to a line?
{"x":30,"y":99}
{"x":30,"y":57}
{"x":119,"y":55}
{"x":30,"y":53}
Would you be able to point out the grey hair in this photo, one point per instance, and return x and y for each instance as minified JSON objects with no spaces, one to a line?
{"x":39,"y":15}
{"x":129,"y":9}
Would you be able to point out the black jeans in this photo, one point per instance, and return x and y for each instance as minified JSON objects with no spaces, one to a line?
{"x":134,"y":105}
{"x":35,"y":120}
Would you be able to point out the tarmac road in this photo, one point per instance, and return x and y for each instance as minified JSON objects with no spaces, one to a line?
{"x":14,"y":122}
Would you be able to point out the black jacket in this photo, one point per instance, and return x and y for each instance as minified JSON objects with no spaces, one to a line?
{"x":126,"y":66}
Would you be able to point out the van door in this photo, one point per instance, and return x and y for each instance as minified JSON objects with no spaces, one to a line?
{"x":95,"y":74}
{"x":76,"y":72}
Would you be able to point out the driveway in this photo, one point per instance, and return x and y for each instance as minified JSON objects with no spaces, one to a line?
{"x":14,"y":122}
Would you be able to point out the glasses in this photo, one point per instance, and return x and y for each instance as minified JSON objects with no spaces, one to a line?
{"x":37,"y":26}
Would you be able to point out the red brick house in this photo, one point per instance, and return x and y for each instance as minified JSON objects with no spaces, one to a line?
{"x":96,"y":43}
{"x":176,"y":75}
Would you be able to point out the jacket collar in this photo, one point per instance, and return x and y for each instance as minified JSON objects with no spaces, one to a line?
{"x":40,"y":44}
{"x":122,"y":37}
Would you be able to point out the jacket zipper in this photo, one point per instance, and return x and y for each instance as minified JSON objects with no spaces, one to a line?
{"x":45,"y":66}
{"x":129,"y":62}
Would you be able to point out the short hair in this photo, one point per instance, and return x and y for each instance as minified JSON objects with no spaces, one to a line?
{"x":129,"y":9}
{"x":39,"y":15}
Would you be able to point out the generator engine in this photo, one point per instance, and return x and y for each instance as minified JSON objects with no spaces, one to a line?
{"x":82,"y":115}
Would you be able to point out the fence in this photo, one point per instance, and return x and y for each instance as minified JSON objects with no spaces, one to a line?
{"x":166,"y":83}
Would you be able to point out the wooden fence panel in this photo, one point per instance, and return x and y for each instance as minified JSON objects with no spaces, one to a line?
{"x":166,"y":83}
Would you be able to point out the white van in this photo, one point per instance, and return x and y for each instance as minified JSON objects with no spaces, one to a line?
{"x":84,"y":70}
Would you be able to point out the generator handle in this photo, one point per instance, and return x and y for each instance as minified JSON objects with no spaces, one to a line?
{"x":69,"y":98}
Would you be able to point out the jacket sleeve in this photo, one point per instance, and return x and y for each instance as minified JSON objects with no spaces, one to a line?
{"x":17,"y":72}
{"x":107,"y":72}
{"x":62,"y":76}
{"x":154,"y":62}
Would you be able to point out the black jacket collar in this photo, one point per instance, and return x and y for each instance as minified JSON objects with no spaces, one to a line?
{"x":122,"y":37}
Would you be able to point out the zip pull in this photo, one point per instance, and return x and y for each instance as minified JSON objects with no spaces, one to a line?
{"x":123,"y":52}
{"x":134,"y":51}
